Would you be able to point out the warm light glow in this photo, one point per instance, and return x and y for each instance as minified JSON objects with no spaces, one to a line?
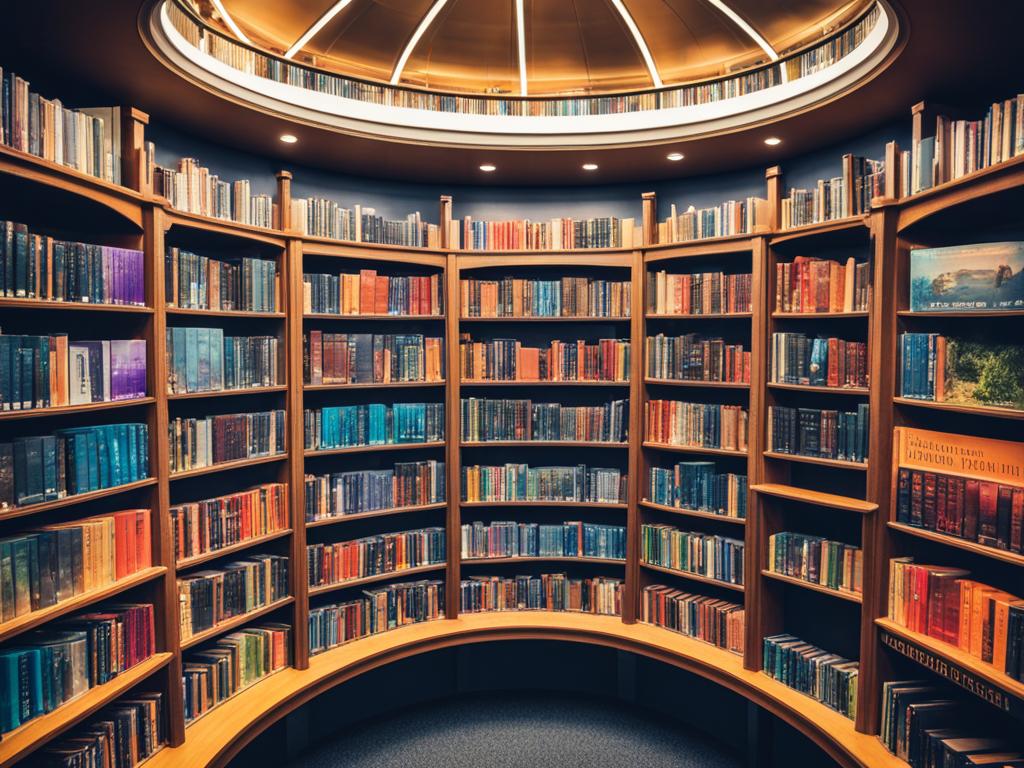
{"x":521,"y":39}
{"x":675,"y":157}
{"x":488,"y":168}
{"x":319,"y":24}
{"x":425,"y":23}
{"x":230,"y":22}
{"x":627,"y":19}
{"x":287,"y":138}
{"x":590,"y":166}
{"x":773,"y":141}
{"x":742,"y":24}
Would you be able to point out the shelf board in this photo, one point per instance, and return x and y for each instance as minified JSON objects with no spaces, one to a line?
{"x":34,"y":619}
{"x":858,"y":466}
{"x":378,"y":385}
{"x":538,"y":319}
{"x":693,"y":449}
{"x":228,"y":392}
{"x":368,"y":317}
{"x":689,"y":383}
{"x":555,"y":443}
{"x":373,"y":448}
{"x":973,"y":410}
{"x":403,"y":574}
{"x":856,"y":391}
{"x":692,"y":576}
{"x":817,"y":498}
{"x":852,"y":597}
{"x":1005,"y":556}
{"x":78,"y":498}
{"x":821,"y":228}
{"x":67,"y":410}
{"x":698,"y":247}
{"x":205,"y":557}
{"x":234,"y":623}
{"x":374,"y":513}
{"x":238,"y":691}
{"x":224,"y":466}
{"x":960,"y":668}
{"x":177,"y":217}
{"x":960,"y":315}
{"x":567,"y":504}
{"x":19,"y":743}
{"x":224,"y":313}
{"x":710,"y":316}
{"x":692,"y":512}
{"x":541,"y":559}
{"x":818,"y":315}
{"x":524,"y":383}
{"x":76,"y":306}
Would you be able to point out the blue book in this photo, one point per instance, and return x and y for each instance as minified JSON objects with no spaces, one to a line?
{"x":192,"y":360}
{"x":49,"y":458}
{"x":179,"y":362}
{"x":216,"y":357}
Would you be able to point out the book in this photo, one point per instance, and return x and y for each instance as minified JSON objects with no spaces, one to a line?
{"x":238,"y":284}
{"x":547,"y":592}
{"x":717,"y":622}
{"x":839,"y":197}
{"x":961,"y":370}
{"x":825,"y":677}
{"x":820,"y":433}
{"x":407,"y":484}
{"x":205,"y":360}
{"x":733,"y":217}
{"x":812,"y":286}
{"x":569,"y":539}
{"x":582,"y":297}
{"x":337,"y":562}
{"x":349,"y":426}
{"x":369,"y":293}
{"x":493,"y":420}
{"x":193,"y":188}
{"x":511,"y":360}
{"x":197,"y":442}
{"x":832,"y":564}
{"x":696,"y":425}
{"x":698,"y":486}
{"x":369,"y":358}
{"x":979,"y":458}
{"x":818,"y":361}
{"x":556,"y":234}
{"x":708,"y":555}
{"x":967,"y":278}
{"x":209,"y":598}
{"x":692,"y":357}
{"x":521,"y":482}
{"x":320,"y":217}
{"x":698,"y":293}
{"x":209,"y":525}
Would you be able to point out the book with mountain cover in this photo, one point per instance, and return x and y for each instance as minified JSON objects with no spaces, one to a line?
{"x":962,"y":370}
{"x":968,"y":278}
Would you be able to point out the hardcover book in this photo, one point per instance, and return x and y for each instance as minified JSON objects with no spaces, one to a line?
{"x":967,"y":278}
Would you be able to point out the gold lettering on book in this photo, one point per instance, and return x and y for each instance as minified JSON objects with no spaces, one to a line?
{"x":1000,"y":461}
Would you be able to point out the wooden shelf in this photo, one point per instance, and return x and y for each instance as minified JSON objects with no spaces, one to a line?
{"x":224,"y":313}
{"x":398,"y":575}
{"x":818,"y":315}
{"x":75,"y":306}
{"x":68,"y":410}
{"x":688,"y":383}
{"x":176,"y":217}
{"x":380,"y":385}
{"x":973,"y":410}
{"x":559,"y":319}
{"x":228,"y":392}
{"x":1003,"y":555}
{"x":225,"y":466}
{"x":692,"y":576}
{"x":78,"y":498}
{"x":19,"y":743}
{"x":954,"y":665}
{"x":822,"y":229}
{"x":986,"y":313}
{"x":28,"y":621}
{"x":852,"y":597}
{"x":692,"y":512}
{"x":373,"y":448}
{"x":715,"y":316}
{"x":856,"y":391}
{"x":205,"y":557}
{"x":858,"y":466}
{"x":371,"y":317}
{"x":233,"y":623}
{"x":519,"y":383}
{"x":700,"y":247}
{"x":817,"y":498}
{"x":244,"y":688}
{"x":375,"y":513}
{"x":567,"y":504}
{"x":549,"y":443}
{"x":693,"y":449}
{"x":541,"y":559}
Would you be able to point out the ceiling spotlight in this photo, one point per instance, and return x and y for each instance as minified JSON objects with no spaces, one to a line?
{"x":287,"y":138}
{"x":590,"y":166}
{"x":488,"y":168}
{"x":773,"y":141}
{"x":675,"y":157}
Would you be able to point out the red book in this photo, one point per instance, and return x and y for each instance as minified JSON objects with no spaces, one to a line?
{"x":988,"y":513}
{"x":972,"y":502}
{"x":367,"y":290}
{"x":380,"y":299}
{"x":1017,"y":520}
{"x":941,"y":491}
{"x":928,"y":508}
{"x":833,"y":362}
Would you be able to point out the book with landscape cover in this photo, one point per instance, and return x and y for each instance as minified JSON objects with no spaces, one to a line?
{"x":967,"y":278}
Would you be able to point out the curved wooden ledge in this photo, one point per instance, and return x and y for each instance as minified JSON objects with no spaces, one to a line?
{"x":217,"y":737}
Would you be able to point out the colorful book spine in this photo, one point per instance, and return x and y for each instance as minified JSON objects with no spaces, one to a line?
{"x":808,"y":285}
{"x":368,"y":293}
{"x":206,"y":441}
{"x":696,"y":485}
{"x":694,"y":358}
{"x":698,"y":293}
{"x":349,"y":426}
{"x":193,"y":188}
{"x":838,"y":197}
{"x":818,"y":433}
{"x":205,"y":360}
{"x":520,"y":482}
{"x":818,"y":362}
{"x":408,"y":484}
{"x":696,"y":425}
{"x":124,"y":734}
{"x":338,"y":562}
{"x":509,"y":360}
{"x":368,"y":358}
{"x":832,"y":564}
{"x":243,"y":284}
{"x":548,"y":592}
{"x":825,"y":677}
{"x":319,"y":217}
{"x":711,"y":556}
{"x":717,"y":622}
{"x":570,"y":539}
{"x":733,"y":217}
{"x":203,"y":527}
{"x":566,"y":297}
{"x":552,"y":235}
{"x":486,"y":420}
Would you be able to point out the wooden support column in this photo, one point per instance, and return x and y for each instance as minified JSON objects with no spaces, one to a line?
{"x":446,"y":221}
{"x":650,"y":218}
{"x":284,"y":201}
{"x":134,"y":170}
{"x":773,"y":178}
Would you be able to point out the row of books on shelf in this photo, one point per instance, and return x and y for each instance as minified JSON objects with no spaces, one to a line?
{"x":825,"y":677}
{"x":702,"y":554}
{"x":698,"y":486}
{"x":838,"y":197}
{"x":338,"y":562}
{"x":368,"y":293}
{"x":407,"y":484}
{"x":547,"y":592}
{"x":809,"y":285}
{"x":692,"y":357}
{"x":197,"y":442}
{"x":209,"y":525}
{"x":505,"y":538}
{"x":696,"y":425}
{"x":818,"y":361}
{"x":565,"y":297}
{"x":51,"y":564}
{"x":698,"y":293}
{"x":50,"y":667}
{"x":558,"y":234}
{"x":941,"y":602}
{"x":205,"y":360}
{"x":37,"y":266}
{"x":68,"y":462}
{"x":347,"y":426}
{"x":820,"y":433}
{"x":371,"y":358}
{"x":319,"y":217}
{"x":193,"y":188}
{"x":211,"y":597}
{"x":521,"y":482}
{"x":815,"y":559}
{"x":733,"y":217}
{"x":234,"y":284}
{"x":511,"y":360}
{"x":717,"y":622}
{"x":487,"y":420}
{"x":54,"y":371}
{"x":236,"y":661}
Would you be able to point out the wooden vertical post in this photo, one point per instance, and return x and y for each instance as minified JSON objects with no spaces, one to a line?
{"x":636,"y":476}
{"x":773,"y":179}
{"x":284,"y":201}
{"x":451,"y":434}
{"x":446,"y":221}
{"x":650,"y":218}
{"x":134,"y":173}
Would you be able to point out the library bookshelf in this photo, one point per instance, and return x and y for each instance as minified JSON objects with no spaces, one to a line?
{"x":839,"y":500}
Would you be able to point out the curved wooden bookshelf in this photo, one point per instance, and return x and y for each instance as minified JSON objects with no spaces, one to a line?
{"x":229,"y":392}
{"x":185,"y":311}
{"x":853,"y":597}
{"x":677,"y":448}
{"x":694,"y":383}
{"x":215,"y":554}
{"x":226,"y":466}
{"x":520,"y":383}
{"x":548,"y":443}
{"x":856,"y":391}
{"x":369,"y":318}
{"x":381,"y":385}
{"x":819,"y":315}
{"x":567,"y":504}
{"x":73,"y":306}
{"x":972,"y":410}
{"x":839,"y":463}
{"x":559,"y":319}
{"x":818,"y":498}
{"x":78,"y":498}
{"x":373,"y":448}
{"x":375,"y":513}
{"x":691,"y":512}
{"x":821,"y":229}
{"x":67,"y":410}
{"x":234,"y":623}
{"x":692,"y":576}
{"x":687,"y":318}
{"x":1006,"y":556}
{"x":321,"y":589}
{"x":541,"y":559}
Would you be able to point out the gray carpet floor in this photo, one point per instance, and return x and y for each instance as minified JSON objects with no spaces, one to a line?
{"x":517,"y":730}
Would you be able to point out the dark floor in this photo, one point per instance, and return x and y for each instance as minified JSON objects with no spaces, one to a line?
{"x":505,"y":730}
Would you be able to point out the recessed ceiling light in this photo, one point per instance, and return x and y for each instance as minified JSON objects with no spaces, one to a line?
{"x":773,"y":141}
{"x":488,"y":168}
{"x":590,"y":166}
{"x":288,"y":138}
{"x":675,"y":157}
